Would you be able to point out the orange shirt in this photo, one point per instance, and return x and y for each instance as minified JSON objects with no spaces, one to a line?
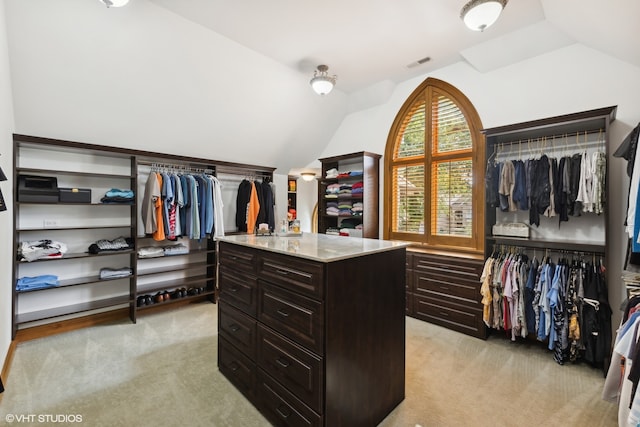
{"x":159,"y":233}
{"x":253,"y":209}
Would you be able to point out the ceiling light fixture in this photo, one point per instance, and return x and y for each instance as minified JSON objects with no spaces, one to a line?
{"x":114,"y":3}
{"x":322,"y":83}
{"x":481,"y":14}
{"x":308,"y":176}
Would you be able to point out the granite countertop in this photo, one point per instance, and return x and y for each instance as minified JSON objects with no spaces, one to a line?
{"x":316,"y":247}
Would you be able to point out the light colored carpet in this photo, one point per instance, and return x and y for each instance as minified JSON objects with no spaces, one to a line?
{"x":163,"y":372}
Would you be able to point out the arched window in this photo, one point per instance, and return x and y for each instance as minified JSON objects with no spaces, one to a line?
{"x":434,"y":179}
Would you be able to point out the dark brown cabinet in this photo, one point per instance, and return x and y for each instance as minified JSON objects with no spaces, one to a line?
{"x":445,"y":290}
{"x":295,"y":356}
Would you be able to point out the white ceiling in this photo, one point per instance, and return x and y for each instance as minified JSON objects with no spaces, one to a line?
{"x":369,"y":41}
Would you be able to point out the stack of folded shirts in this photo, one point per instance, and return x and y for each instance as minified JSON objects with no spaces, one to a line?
{"x":117,"y":244}
{"x":355,"y":173}
{"x":345,"y":208}
{"x":37,"y":282}
{"x":150,"y":252}
{"x":357,"y":188}
{"x":333,"y":209}
{"x":116,"y":195}
{"x":178,"y":249}
{"x":345,"y":189}
{"x":41,"y":249}
{"x":332,"y":190}
{"x":333,"y":231}
{"x":115,"y":273}
{"x":357,"y":208}
{"x":332,"y":173}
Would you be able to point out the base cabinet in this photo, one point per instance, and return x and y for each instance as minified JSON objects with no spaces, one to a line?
{"x":445,"y":290}
{"x":293,"y":352}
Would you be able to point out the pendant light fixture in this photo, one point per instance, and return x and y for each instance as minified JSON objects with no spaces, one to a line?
{"x":481,"y":14}
{"x":114,"y":3}
{"x":322,"y":83}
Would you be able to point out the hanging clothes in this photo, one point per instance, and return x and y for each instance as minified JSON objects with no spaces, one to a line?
{"x":242,"y":203}
{"x":253,"y":209}
{"x":563,"y":304}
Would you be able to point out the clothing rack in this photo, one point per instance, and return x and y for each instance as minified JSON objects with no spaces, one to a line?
{"x":250,"y":174}
{"x":548,"y":144}
{"x":514,"y":249}
{"x":176,"y":168}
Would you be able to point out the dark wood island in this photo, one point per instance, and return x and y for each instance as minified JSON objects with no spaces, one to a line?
{"x":312,"y":328}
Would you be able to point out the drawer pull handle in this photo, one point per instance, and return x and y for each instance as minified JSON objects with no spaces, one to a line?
{"x":234,"y":289}
{"x":233,"y":257}
{"x":442,"y":313}
{"x":446,"y":288}
{"x":234,"y":327}
{"x":282,"y":313}
{"x":282,"y":362}
{"x":233,"y":367}
{"x":283,"y":272}
{"x":283,"y":411}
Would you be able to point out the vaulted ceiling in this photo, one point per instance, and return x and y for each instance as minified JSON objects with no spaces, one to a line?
{"x":368,"y":41}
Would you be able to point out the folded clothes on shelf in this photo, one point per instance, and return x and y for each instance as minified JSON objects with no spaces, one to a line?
{"x":41,"y":249}
{"x":115,"y":273}
{"x":116,"y":195}
{"x":179,"y":249}
{"x":150,"y":252}
{"x":37,"y":282}
{"x":117,"y":244}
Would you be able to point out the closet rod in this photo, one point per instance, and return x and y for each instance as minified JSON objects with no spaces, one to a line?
{"x":177,"y":167}
{"x":508,"y":248}
{"x":244,"y":172}
{"x":569,"y":144}
{"x":550,"y":139}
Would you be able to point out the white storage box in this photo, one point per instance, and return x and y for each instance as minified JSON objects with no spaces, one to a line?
{"x":511,"y":229}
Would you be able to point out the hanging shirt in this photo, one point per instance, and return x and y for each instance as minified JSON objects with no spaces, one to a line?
{"x":218,"y":205}
{"x":252,"y":209}
{"x":150,"y":202}
{"x":158,"y":234}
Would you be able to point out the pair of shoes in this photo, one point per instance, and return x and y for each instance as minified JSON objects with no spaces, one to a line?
{"x":143,"y":300}
{"x":195,"y":291}
{"x":179,"y":293}
{"x":161,"y":296}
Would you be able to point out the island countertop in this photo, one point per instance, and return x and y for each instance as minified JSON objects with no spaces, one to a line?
{"x":316,"y":247}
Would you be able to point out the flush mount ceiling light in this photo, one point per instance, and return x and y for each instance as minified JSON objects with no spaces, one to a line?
{"x":481,"y":14}
{"x":322,"y":83}
{"x":114,"y":3}
{"x":308,"y":176}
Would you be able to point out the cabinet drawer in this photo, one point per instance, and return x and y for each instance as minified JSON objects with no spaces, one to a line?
{"x":449,"y":315}
{"x":237,"y":367}
{"x":238,"y":328}
{"x":238,"y":289}
{"x":446,"y":285}
{"x":237,"y":257}
{"x":294,"y":367}
{"x":305,"y":277}
{"x":281,"y":407}
{"x":461,"y":268}
{"x":294,"y":316}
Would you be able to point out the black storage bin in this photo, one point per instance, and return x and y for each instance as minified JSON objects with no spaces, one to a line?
{"x":39,"y":189}
{"x":75,"y":195}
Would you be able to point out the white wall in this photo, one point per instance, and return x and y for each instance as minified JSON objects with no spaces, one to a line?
{"x":568,"y":80}
{"x":143,"y":77}
{"x":306,"y":200}
{"x":6,"y":217}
